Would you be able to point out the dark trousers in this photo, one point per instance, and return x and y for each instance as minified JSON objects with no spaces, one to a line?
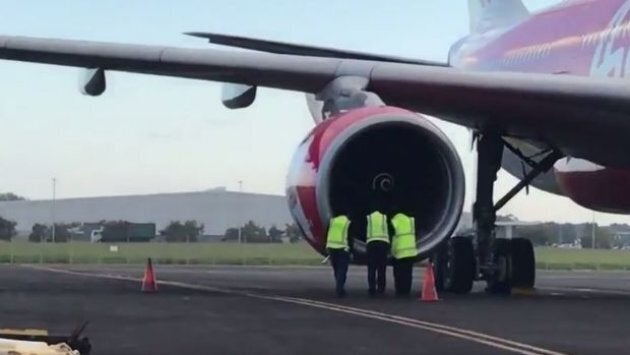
{"x":403,"y":275}
{"x":377,"y":265}
{"x":339,"y":259}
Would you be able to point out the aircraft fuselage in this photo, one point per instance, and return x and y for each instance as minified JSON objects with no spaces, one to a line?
{"x":583,"y":38}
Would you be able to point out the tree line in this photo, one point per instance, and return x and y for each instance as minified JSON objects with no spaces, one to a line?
{"x":7,"y":227}
{"x":188,"y":231}
{"x":543,"y":234}
{"x":10,"y":196}
{"x":119,"y":231}
{"x":548,"y":234}
{"x":251,"y":232}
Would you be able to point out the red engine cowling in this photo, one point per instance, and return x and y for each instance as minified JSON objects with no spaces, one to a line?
{"x":594,"y":186}
{"x":382,"y":158}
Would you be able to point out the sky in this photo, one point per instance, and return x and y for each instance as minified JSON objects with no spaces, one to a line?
{"x":152,"y":134}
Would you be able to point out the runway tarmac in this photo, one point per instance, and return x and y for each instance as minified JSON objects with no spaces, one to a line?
{"x":292,"y":310}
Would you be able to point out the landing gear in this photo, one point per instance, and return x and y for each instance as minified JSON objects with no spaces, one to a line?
{"x":502,"y":263}
{"x":500,"y":280}
{"x":514,"y":265}
{"x":455,"y":265}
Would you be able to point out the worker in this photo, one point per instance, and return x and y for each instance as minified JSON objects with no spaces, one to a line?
{"x":339,"y":250}
{"x":377,"y":240}
{"x":404,"y":252}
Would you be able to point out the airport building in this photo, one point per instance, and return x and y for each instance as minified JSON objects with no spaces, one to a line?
{"x":217,"y":209}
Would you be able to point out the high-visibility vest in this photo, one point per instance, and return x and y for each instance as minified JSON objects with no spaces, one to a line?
{"x":377,"y":227}
{"x":337,"y":237}
{"x":404,"y":241}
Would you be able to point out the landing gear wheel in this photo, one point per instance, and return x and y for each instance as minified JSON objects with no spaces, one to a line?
{"x":500,"y":281}
{"x":439,"y":265}
{"x":523,"y":263}
{"x":455,"y":265}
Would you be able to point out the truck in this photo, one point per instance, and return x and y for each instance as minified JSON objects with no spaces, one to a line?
{"x":115,"y":232}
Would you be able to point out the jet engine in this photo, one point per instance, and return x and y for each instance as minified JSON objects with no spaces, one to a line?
{"x":376,"y":158}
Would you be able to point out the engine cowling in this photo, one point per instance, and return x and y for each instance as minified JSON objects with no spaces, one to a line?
{"x":594,"y":186}
{"x":382,"y":158}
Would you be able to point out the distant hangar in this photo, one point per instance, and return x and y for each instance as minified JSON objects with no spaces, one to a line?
{"x":217,"y":209}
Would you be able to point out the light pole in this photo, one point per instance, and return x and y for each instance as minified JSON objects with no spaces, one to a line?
{"x":54,"y":196}
{"x":240,"y":227}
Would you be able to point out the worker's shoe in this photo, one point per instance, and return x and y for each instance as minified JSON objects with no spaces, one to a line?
{"x":341,"y":293}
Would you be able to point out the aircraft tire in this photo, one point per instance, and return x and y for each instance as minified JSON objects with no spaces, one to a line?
{"x":439,"y":265}
{"x":500,"y":282}
{"x":523,"y":263}
{"x":459,"y":268}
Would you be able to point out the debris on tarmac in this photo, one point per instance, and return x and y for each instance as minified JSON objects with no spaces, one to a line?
{"x":18,"y":347}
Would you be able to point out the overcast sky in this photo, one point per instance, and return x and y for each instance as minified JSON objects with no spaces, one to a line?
{"x":150,"y":134}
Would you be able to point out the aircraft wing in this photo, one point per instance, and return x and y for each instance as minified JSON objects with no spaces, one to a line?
{"x":586,"y":118}
{"x":283,"y":72}
{"x":303,"y":50}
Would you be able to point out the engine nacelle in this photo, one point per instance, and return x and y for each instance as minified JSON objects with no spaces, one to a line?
{"x":382,"y":158}
{"x":593,"y":186}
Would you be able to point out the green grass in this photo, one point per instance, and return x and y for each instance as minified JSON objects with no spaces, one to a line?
{"x":582,"y":259}
{"x":165,"y":253}
{"x":257,"y":254}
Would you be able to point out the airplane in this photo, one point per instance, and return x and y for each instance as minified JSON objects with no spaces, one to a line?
{"x":539,"y":91}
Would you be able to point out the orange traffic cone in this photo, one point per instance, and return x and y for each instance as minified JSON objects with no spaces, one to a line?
{"x":429,"y":293}
{"x":149,"y":284}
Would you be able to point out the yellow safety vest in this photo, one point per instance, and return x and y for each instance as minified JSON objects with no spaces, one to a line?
{"x":404,"y":241}
{"x":337,"y":237}
{"x":377,"y":227}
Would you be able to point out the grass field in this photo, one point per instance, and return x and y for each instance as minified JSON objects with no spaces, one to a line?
{"x":256,"y":254}
{"x":584,"y":259}
{"x":165,"y":253}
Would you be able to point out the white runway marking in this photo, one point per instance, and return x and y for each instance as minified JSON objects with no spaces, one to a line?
{"x":455,"y":332}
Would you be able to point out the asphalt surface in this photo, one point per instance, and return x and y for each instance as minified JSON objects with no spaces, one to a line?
{"x":275,"y":310}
